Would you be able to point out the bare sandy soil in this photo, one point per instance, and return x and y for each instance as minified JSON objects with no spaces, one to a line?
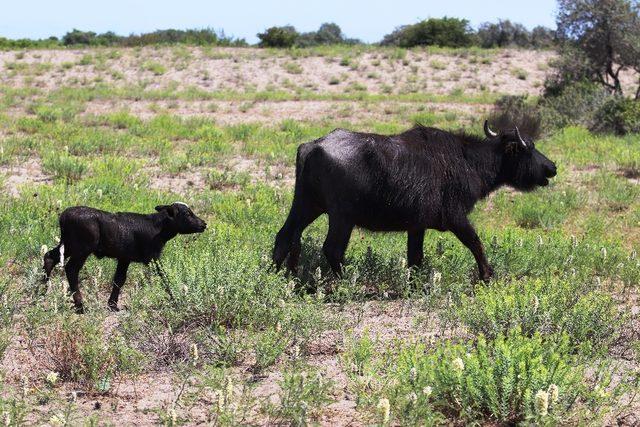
{"x":228,"y":69}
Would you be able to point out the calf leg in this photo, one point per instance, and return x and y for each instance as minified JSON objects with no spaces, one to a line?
{"x":72,"y":268}
{"x":415,"y":250}
{"x":51,"y":259}
{"x":118,"y":280}
{"x":336,"y":242}
{"x":465,"y":232}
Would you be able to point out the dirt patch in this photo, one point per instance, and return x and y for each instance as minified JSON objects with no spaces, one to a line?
{"x":226,"y":176}
{"x":29,"y":172}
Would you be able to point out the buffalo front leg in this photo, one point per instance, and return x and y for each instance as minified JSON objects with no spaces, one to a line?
{"x":465,"y":232}
{"x":72,"y":269}
{"x":288,"y":239}
{"x":415,"y":251}
{"x":336,"y":243}
{"x":118,"y":281}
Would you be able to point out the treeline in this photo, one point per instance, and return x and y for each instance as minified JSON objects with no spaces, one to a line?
{"x":199,"y":37}
{"x":445,"y":32}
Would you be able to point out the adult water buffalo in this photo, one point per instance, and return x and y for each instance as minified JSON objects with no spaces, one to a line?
{"x":422,"y":178}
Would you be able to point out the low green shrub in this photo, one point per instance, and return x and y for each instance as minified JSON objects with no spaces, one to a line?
{"x":543,"y":306}
{"x":510,"y":380}
{"x":618,"y":115}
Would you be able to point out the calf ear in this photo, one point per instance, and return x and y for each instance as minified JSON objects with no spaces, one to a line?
{"x":168,"y":208}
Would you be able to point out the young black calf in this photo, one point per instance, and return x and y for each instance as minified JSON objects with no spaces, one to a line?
{"x":127,"y":237}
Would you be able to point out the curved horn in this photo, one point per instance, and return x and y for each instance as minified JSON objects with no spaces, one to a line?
{"x":524,"y":144}
{"x":487,"y":130}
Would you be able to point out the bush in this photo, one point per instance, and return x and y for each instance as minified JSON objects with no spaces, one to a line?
{"x":444,"y":32}
{"x":588,"y":317}
{"x":511,"y":380}
{"x":278,"y":37}
{"x":328,"y":33}
{"x":576,"y":105}
{"x":502,"y":34}
{"x":618,"y":115}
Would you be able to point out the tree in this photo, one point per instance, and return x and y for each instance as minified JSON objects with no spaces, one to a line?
{"x":278,"y":37}
{"x":602,"y":38}
{"x":446,"y":32}
{"x":502,"y":34}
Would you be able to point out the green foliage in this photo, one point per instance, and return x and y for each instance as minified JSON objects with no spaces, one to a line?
{"x":584,"y":313}
{"x":193,"y":37}
{"x":512,"y":379}
{"x":618,"y":115}
{"x":303,"y":391}
{"x":65,"y":167}
{"x":444,"y":32}
{"x":278,"y":37}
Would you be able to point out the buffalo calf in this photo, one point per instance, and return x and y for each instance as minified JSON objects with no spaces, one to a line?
{"x":127,"y":237}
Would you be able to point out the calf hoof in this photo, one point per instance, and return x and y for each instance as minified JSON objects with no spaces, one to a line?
{"x":79,"y":309}
{"x":113,"y":307}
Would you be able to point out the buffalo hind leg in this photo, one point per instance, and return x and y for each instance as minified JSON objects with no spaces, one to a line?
{"x":415,"y":250}
{"x":288,"y":239}
{"x":72,"y":269}
{"x":118,"y":281}
{"x":336,"y":243}
{"x":465,"y":232}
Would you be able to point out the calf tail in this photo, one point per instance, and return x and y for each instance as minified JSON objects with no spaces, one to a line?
{"x":52,"y":258}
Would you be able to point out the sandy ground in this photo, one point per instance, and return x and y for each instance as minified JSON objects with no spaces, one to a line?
{"x":233,"y":69}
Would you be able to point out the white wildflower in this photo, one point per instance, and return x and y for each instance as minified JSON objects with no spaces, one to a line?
{"x":43,"y":250}
{"x":535,"y":303}
{"x":52,"y":378}
{"x":74,"y":396}
{"x":413,"y":398}
{"x":385,"y":409}
{"x":59,"y":204}
{"x":427,"y":391}
{"x":57,"y":420}
{"x":413,"y":374}
{"x":99,"y":193}
{"x":542,"y":403}
{"x":603,"y":251}
{"x":540,"y":241}
{"x":437,"y":278}
{"x":194,"y":353}
{"x":574,"y":241}
{"x":458,"y":364}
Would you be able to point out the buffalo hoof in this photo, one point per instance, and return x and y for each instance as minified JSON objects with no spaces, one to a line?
{"x":486,"y":275}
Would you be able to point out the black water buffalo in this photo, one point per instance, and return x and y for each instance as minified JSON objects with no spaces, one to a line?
{"x":127,"y":237}
{"x":424,"y":178}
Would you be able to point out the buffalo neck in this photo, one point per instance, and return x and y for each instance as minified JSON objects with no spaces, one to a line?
{"x":485,"y":158}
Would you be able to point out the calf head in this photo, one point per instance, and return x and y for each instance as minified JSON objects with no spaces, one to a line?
{"x":524,"y":167}
{"x":182,"y":219}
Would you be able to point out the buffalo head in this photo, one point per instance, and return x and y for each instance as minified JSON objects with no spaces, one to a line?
{"x":524,"y":167}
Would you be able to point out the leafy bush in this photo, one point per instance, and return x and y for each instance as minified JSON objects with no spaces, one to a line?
{"x":618,"y":115}
{"x":543,"y":306}
{"x":278,"y":37}
{"x":65,"y":167}
{"x":302,"y":393}
{"x":576,"y":105}
{"x":74,"y":348}
{"x":503,"y":33}
{"x":510,"y":380}
{"x":170,"y":36}
{"x":445,"y":32}
{"x":328,"y":33}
